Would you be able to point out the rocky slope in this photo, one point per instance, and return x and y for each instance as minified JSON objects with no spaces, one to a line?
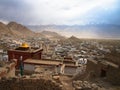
{"x":4,"y":30}
{"x":20,"y":30}
{"x":14,"y":30}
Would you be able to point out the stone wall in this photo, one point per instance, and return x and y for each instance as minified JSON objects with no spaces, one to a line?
{"x":113,"y":75}
{"x":8,"y":70}
{"x":29,"y":84}
{"x":110,"y":73}
{"x":92,"y":69}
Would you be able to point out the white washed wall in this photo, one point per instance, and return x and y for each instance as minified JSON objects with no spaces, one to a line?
{"x":29,"y":67}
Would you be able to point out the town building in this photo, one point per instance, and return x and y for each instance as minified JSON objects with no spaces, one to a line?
{"x":26,"y":52}
{"x":55,"y":66}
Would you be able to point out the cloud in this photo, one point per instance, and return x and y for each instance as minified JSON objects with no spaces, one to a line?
{"x":60,"y":11}
{"x":14,"y":10}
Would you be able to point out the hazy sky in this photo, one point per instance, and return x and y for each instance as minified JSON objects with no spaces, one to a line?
{"x":60,"y":12}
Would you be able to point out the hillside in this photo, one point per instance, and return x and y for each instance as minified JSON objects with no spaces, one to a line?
{"x":4,"y":30}
{"x":52,"y":35}
{"x":20,"y":30}
{"x":73,"y":39}
{"x":15,"y":30}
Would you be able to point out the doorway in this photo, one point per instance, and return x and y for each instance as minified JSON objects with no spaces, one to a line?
{"x":103,"y":73}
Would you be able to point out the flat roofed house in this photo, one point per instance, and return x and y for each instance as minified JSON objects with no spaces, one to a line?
{"x":67,"y":68}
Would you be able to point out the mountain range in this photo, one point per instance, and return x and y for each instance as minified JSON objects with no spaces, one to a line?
{"x":82,"y":31}
{"x":16,"y":30}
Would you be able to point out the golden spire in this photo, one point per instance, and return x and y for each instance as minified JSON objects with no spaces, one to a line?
{"x":24,"y":45}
